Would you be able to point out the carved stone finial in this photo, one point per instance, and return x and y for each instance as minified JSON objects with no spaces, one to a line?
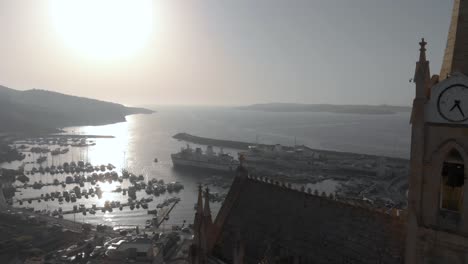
{"x":422,"y":51}
{"x":423,"y":44}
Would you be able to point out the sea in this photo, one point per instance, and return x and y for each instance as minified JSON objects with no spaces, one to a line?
{"x":140,"y":140}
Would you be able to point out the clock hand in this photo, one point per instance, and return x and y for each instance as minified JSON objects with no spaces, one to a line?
{"x":454,"y":105}
{"x":459,"y":109}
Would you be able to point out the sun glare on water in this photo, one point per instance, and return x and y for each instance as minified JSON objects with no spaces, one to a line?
{"x":106,"y":29}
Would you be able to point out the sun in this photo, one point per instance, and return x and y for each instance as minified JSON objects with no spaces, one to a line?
{"x":108,"y":29}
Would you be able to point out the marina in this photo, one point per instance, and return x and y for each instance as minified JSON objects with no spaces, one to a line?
{"x":65,"y":189}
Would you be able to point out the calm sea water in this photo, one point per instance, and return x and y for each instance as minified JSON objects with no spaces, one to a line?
{"x":145,"y":137}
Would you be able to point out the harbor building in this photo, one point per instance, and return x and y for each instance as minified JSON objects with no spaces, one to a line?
{"x":266,"y":221}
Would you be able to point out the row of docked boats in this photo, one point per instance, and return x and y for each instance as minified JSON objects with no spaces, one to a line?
{"x":59,"y":151}
{"x":62,"y":142}
{"x":69,"y":196}
{"x":157,"y":188}
{"x":71,"y":167}
{"x":42,"y":150}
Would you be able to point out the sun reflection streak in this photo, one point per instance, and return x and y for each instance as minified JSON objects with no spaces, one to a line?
{"x":107,"y":150}
{"x":109,"y":193}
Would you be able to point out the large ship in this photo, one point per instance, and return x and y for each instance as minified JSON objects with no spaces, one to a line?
{"x":273,"y":153}
{"x":209,"y":160}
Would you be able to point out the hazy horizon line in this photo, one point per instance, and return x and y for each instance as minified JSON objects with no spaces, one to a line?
{"x":263,"y":103}
{"x":204,"y":104}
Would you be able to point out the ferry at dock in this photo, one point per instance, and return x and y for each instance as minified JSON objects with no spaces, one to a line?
{"x":209,"y":160}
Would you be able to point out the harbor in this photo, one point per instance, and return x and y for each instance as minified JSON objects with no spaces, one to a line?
{"x":123,"y":159}
{"x":379,"y":180}
{"x":114,"y":184}
{"x":61,"y":189}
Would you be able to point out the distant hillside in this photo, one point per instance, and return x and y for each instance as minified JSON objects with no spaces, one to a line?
{"x":45,"y":111}
{"x":344,"y":109}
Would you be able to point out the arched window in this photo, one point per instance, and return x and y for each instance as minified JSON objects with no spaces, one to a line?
{"x":453,"y":180}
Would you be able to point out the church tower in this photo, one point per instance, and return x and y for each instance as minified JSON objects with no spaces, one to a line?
{"x":456,"y":54}
{"x":438,"y":195}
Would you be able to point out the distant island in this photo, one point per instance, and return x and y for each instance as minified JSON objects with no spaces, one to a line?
{"x":341,"y":109}
{"x":41,"y":111}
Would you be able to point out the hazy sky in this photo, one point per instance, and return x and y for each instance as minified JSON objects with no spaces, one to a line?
{"x":224,"y":51}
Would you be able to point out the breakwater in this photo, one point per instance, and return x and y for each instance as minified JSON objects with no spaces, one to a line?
{"x":239,"y":145}
{"x":214,"y":142}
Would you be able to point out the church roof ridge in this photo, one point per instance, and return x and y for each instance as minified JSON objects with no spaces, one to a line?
{"x":392,"y":212}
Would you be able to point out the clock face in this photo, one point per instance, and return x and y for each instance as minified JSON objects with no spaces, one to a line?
{"x":453,"y":103}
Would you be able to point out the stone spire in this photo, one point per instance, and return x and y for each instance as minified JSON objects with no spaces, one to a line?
{"x":422,"y":75}
{"x":199,"y":211}
{"x":423,"y":84}
{"x":198,"y":248}
{"x":206,"y":210}
{"x":200,"y":200}
{"x":456,"y":51}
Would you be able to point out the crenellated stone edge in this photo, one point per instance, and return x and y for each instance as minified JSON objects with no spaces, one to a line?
{"x":393,"y":212}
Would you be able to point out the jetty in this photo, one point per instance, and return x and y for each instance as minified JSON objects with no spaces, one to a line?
{"x":166,"y":214}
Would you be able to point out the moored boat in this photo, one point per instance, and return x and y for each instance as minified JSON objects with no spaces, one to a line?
{"x":208,"y":160}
